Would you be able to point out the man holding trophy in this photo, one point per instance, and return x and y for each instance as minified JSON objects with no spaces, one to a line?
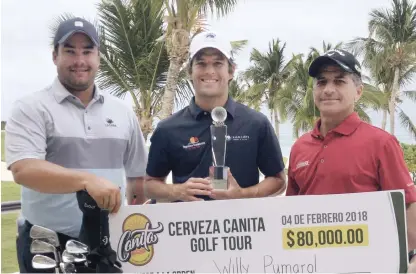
{"x":215,"y":147}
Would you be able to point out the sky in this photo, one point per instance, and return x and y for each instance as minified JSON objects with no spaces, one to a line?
{"x":26,"y":54}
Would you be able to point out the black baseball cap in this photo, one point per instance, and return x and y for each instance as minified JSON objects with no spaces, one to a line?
{"x":344,"y":59}
{"x":75,"y":25}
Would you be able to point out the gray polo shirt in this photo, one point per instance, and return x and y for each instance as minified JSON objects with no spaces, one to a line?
{"x":103,"y":138}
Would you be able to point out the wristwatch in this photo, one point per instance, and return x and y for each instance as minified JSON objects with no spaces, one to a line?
{"x":412,"y":254}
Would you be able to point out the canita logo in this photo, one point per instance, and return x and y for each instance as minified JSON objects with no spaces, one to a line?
{"x":136,"y":244}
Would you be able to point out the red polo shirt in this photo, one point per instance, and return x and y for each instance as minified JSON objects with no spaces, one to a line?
{"x":353,"y":157}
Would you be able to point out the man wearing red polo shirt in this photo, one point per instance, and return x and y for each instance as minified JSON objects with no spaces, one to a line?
{"x":343,"y":154}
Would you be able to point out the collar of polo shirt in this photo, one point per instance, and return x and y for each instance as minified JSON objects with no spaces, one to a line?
{"x":61,"y":93}
{"x":347,"y":127}
{"x":196,"y":111}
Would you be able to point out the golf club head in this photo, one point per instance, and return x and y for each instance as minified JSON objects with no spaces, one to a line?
{"x":43,"y":262}
{"x":73,"y":258}
{"x":48,"y":235}
{"x":67,"y":268}
{"x":39,"y":246}
{"x":76,"y":247}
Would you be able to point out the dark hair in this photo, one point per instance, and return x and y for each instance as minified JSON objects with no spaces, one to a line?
{"x":199,"y":55}
{"x":355,"y":77}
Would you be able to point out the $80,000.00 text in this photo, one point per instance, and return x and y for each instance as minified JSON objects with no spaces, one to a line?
{"x":325,"y":236}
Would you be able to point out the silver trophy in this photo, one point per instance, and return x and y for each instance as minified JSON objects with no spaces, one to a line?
{"x":219,"y":146}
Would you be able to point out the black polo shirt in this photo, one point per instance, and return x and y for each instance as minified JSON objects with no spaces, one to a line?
{"x":182,"y":144}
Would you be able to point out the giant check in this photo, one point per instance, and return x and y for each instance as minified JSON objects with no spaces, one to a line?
{"x":346,"y":233}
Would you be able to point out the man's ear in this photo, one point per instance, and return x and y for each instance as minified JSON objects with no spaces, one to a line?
{"x":54,"y":56}
{"x":232,"y":71}
{"x":360,"y":90}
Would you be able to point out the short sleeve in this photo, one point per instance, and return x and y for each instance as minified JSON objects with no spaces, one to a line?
{"x":393,"y":172}
{"x":269,"y":158}
{"x":25,"y":133}
{"x":158,"y":164}
{"x":135,"y":159}
{"x":292,"y":186}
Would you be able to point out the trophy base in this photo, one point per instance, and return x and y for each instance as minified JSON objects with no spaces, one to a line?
{"x":219,"y":184}
{"x":219,"y":177}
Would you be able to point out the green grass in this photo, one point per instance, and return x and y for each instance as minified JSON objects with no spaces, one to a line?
{"x":2,"y":146}
{"x":8,"y":243}
{"x":10,"y":191}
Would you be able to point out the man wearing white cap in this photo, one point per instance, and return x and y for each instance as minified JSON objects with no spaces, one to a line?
{"x":181,"y":144}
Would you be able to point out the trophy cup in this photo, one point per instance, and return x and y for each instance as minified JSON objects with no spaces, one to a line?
{"x":219,"y":141}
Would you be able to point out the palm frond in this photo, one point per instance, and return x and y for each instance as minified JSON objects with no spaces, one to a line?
{"x":407,"y":123}
{"x":218,"y":7}
{"x":53,"y":26}
{"x":411,"y":94}
{"x":238,"y":46}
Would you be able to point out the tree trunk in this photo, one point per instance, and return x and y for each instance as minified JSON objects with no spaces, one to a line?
{"x":394,"y":95}
{"x":146,"y":122}
{"x":276,"y":123}
{"x":146,"y":126}
{"x":384,"y":121}
{"x":168,"y":99}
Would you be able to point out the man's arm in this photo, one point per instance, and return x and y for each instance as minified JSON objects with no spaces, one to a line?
{"x":270,"y":162}
{"x":47,"y":177}
{"x":135,"y":161}
{"x":269,"y":186}
{"x":411,"y":234}
{"x":158,"y":168}
{"x":393,"y":174}
{"x":156,"y":188}
{"x":292,"y":186}
{"x":135,"y":191}
{"x":25,"y":144}
{"x":411,"y":226}
{"x":26,"y":134}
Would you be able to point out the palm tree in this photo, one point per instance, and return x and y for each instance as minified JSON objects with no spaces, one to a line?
{"x":315,"y":52}
{"x":381,"y":83}
{"x":268,"y":74}
{"x":392,"y":42}
{"x":185,"y":17}
{"x":239,"y":90}
{"x":132,"y":60}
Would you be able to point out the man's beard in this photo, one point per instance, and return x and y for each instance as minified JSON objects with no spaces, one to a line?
{"x":77,"y":86}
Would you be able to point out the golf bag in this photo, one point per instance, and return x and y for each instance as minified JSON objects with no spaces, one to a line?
{"x":95,"y":233}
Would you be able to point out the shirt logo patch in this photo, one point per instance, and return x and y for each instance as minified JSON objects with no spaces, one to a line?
{"x":302,"y":164}
{"x":79,"y":24}
{"x":194,"y":143}
{"x":110,"y":123}
{"x":237,"y":138}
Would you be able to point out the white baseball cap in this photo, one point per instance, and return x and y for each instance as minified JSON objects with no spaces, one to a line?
{"x":210,"y":40}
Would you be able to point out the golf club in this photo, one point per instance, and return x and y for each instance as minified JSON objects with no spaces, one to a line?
{"x":73,"y":258}
{"x":44,"y":262}
{"x":39,"y":232}
{"x":76,"y":247}
{"x":39,"y":246}
{"x":67,"y":268}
